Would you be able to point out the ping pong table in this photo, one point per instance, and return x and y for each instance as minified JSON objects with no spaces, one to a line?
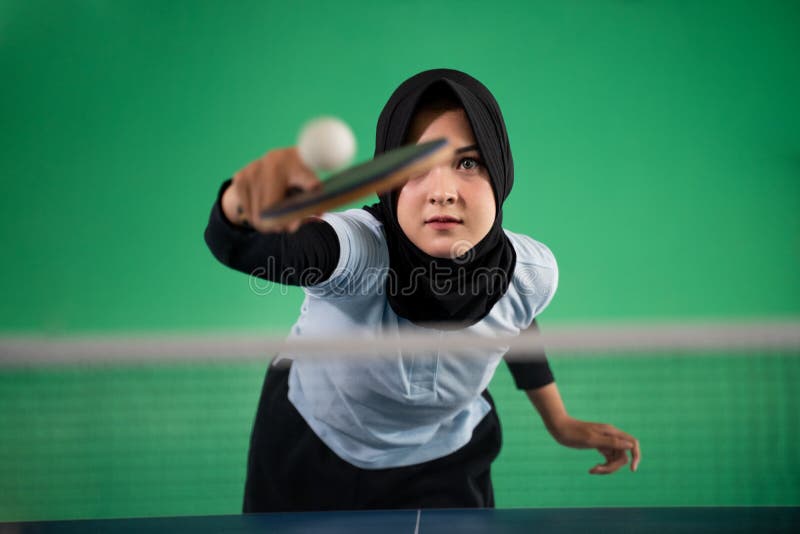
{"x":507,"y":521}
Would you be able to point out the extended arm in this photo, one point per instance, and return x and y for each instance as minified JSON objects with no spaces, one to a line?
{"x":533,"y":375}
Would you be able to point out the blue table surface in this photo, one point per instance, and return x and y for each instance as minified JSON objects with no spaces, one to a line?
{"x":557,"y":520}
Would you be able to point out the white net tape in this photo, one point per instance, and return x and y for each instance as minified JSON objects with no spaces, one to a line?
{"x":732,"y":337}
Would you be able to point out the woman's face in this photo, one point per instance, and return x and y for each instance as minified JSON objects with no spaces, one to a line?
{"x":448,"y":210}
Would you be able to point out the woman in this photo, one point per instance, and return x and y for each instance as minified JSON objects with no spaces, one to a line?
{"x":417,"y":429}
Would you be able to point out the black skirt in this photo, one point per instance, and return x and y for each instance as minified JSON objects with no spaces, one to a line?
{"x":290,"y":469}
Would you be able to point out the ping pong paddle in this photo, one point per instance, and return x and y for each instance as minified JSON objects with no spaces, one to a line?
{"x":383,"y":173}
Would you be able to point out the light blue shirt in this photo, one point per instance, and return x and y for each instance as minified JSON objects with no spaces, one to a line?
{"x":409,"y":407}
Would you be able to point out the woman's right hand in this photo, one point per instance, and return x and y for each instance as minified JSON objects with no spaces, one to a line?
{"x":263,"y":183}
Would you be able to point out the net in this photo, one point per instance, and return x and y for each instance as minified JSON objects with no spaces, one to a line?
{"x":90,"y":428}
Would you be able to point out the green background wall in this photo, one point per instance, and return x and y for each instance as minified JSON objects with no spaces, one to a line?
{"x":657,"y":152}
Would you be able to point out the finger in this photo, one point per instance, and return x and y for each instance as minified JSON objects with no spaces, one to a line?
{"x":617,"y":462}
{"x":597,"y":441}
{"x":255,"y":208}
{"x":599,"y":469}
{"x":634,"y":449}
{"x":602,"y":469}
{"x":269,"y":192}
{"x":620,"y":434}
{"x":636,"y":455}
{"x":298,"y":173}
{"x":263,"y":225}
{"x":290,"y":178}
{"x":304,"y":179}
{"x":614,"y":460}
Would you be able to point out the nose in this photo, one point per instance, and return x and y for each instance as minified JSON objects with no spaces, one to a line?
{"x":442,"y":188}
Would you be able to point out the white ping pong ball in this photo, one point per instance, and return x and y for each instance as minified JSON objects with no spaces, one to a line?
{"x":326,"y":143}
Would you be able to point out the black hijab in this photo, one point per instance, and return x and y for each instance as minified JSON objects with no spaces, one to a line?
{"x":445,"y":292}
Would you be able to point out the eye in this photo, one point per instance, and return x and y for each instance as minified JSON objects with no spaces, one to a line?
{"x":469,"y":164}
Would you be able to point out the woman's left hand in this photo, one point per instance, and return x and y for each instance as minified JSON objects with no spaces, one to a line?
{"x":610,"y":441}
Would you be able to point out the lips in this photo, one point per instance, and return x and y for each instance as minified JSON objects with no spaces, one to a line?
{"x":442,"y":219}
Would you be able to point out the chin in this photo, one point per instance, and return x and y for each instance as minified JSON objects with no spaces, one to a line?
{"x":439,"y":251}
{"x":438,"y":246}
{"x":445,"y":254}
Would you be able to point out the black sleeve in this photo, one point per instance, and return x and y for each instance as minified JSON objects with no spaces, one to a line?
{"x":306,"y":257}
{"x":531,"y":371}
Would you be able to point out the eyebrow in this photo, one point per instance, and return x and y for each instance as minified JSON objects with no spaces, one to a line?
{"x":469,"y":148}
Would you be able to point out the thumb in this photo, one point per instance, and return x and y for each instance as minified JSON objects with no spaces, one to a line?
{"x":299,"y":174}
